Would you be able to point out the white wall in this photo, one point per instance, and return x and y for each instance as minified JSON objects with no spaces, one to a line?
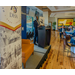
{"x":53,"y":19}
{"x":45,"y":15}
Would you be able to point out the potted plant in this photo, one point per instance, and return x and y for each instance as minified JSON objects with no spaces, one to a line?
{"x":53,"y":25}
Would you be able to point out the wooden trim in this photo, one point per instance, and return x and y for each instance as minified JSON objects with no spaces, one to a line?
{"x":65,"y":18}
{"x":63,"y":11}
{"x":55,"y":7}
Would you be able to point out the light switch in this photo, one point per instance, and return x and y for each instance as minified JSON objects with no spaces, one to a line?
{"x":22,"y":28}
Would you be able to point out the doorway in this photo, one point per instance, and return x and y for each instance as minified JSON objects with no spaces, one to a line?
{"x":50,"y":24}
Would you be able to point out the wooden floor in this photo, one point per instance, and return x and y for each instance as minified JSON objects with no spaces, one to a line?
{"x":56,"y":59}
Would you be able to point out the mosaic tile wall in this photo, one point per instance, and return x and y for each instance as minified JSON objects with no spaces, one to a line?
{"x":10,"y":49}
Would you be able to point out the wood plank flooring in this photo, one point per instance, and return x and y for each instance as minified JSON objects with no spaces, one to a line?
{"x":56,"y":60}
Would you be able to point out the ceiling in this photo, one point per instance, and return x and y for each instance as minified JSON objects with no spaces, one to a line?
{"x":40,"y":9}
{"x":57,"y":11}
{"x":43,"y":8}
{"x":62,"y":11}
{"x":33,"y":9}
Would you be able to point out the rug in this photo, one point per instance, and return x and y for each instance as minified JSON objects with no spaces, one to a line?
{"x":34,"y":60}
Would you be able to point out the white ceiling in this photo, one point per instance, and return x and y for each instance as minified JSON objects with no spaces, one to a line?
{"x":62,"y":11}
